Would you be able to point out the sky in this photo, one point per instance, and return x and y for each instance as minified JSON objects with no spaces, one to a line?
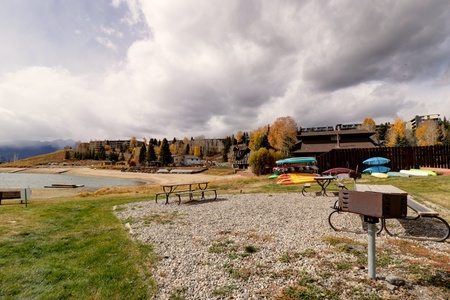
{"x":115,"y":69}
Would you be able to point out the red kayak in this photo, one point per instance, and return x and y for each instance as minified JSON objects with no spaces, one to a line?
{"x":336,"y":171}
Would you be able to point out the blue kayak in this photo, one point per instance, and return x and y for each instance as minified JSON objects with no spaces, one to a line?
{"x":376,"y":161}
{"x":377,"y":169}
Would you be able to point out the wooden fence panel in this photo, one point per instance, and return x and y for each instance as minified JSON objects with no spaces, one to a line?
{"x":402,"y":158}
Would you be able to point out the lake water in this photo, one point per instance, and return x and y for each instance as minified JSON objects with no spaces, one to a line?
{"x":15,"y":180}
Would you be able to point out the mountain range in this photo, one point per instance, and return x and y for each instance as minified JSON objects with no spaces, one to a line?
{"x":12,"y":151}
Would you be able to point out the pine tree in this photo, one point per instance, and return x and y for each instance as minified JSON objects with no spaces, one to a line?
{"x":165,"y":157}
{"x":151,"y":155}
{"x":142,"y":154}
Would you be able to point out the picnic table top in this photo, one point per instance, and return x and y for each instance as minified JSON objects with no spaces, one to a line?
{"x":186,"y":183}
{"x":387,"y":189}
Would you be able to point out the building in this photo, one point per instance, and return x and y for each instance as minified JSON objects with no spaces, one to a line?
{"x":417,"y":120}
{"x":187,"y":160}
{"x":315,"y":143}
{"x":241,"y":153}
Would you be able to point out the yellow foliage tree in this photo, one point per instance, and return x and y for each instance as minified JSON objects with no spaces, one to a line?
{"x":256,"y":137}
{"x":239,"y":136}
{"x":369,"y":124}
{"x":427,"y":133}
{"x":173,"y":148}
{"x":396,"y":135}
{"x":283,"y":134}
{"x":198,"y":151}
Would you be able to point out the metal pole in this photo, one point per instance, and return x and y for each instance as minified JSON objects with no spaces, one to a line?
{"x":371,"y":230}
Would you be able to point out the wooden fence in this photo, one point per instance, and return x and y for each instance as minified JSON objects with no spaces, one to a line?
{"x":402,"y":158}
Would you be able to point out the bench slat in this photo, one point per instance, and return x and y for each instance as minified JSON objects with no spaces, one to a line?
{"x":10,"y":195}
{"x":421,"y":210}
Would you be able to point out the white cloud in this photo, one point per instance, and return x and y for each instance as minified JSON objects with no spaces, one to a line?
{"x":210,"y":71}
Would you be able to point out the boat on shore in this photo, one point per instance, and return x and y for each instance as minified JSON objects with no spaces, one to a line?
{"x":62,"y":185}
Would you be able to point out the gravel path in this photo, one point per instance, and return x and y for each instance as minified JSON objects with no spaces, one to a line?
{"x":261,"y":246}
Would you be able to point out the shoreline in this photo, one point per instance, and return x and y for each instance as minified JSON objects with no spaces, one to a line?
{"x":149,"y":179}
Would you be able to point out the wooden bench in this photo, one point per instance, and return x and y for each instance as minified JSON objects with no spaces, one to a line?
{"x":421,"y":210}
{"x":23,"y":195}
{"x":168,"y":194}
{"x":341,"y":185}
{"x":191,"y":192}
{"x":305,"y":186}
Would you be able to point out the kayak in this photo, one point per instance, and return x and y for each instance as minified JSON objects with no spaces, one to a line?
{"x":414,"y":173}
{"x":397,"y":174}
{"x":273,"y":176}
{"x":380,"y":175}
{"x":377,"y":169}
{"x":296,"y":160}
{"x":376,"y":161}
{"x":336,"y":171}
{"x":431,"y":173}
{"x":295,"y":178}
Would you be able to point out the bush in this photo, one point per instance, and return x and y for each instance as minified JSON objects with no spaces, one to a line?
{"x":263,"y":160}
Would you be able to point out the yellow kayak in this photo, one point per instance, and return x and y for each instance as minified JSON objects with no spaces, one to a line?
{"x":296,"y":178}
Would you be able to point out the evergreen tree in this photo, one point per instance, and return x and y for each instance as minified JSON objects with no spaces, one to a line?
{"x":382,"y":131}
{"x":165,"y":157}
{"x":151,"y":155}
{"x":187,"y":149}
{"x":142,"y":154}
{"x":226,"y":149}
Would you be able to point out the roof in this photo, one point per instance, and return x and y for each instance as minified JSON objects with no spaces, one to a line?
{"x":335,"y":132}
{"x":321,"y":148}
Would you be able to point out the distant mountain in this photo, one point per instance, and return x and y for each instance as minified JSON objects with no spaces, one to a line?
{"x":12,"y":151}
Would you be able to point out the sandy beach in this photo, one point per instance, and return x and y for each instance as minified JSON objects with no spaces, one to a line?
{"x":149,"y":179}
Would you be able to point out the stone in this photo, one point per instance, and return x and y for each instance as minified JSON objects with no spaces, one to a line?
{"x":395,"y":280}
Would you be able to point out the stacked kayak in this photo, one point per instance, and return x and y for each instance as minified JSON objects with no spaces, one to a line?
{"x":376,"y":165}
{"x":296,"y":178}
{"x":294,"y":165}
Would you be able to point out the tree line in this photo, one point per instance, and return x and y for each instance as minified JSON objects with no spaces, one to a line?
{"x":267,"y":143}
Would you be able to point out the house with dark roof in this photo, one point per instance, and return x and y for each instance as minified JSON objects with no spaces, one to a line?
{"x":315,"y":143}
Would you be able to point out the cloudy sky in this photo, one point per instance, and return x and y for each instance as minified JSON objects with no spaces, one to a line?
{"x":116,"y":69}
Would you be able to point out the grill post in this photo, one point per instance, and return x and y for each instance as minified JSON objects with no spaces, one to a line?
{"x":371,"y":249}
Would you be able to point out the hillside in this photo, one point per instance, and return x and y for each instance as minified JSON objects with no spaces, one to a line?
{"x":57,"y":157}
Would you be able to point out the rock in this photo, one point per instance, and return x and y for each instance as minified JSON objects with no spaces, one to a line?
{"x":395,"y":280}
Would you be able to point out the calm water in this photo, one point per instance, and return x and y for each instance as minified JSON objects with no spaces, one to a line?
{"x":15,"y":180}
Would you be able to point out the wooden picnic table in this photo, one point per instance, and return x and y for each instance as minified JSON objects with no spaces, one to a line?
{"x":324,"y":182}
{"x":169,"y":189}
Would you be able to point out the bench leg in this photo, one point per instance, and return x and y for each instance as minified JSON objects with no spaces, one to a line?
{"x":446,"y":231}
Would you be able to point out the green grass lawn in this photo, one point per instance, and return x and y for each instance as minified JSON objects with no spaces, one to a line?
{"x":76,"y":248}
{"x":71,"y":249}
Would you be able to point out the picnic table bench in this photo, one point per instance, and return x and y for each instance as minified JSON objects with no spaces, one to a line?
{"x":189,"y":189}
{"x":421,"y":210}
{"x":22,"y":194}
{"x":192,"y":192}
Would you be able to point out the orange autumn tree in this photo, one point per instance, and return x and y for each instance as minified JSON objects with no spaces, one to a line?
{"x":283,"y":134}
{"x":427,"y":133}
{"x":396,"y":135}
{"x":369,"y":124}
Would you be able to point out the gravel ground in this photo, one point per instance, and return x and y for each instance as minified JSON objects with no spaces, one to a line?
{"x":280,"y":246}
